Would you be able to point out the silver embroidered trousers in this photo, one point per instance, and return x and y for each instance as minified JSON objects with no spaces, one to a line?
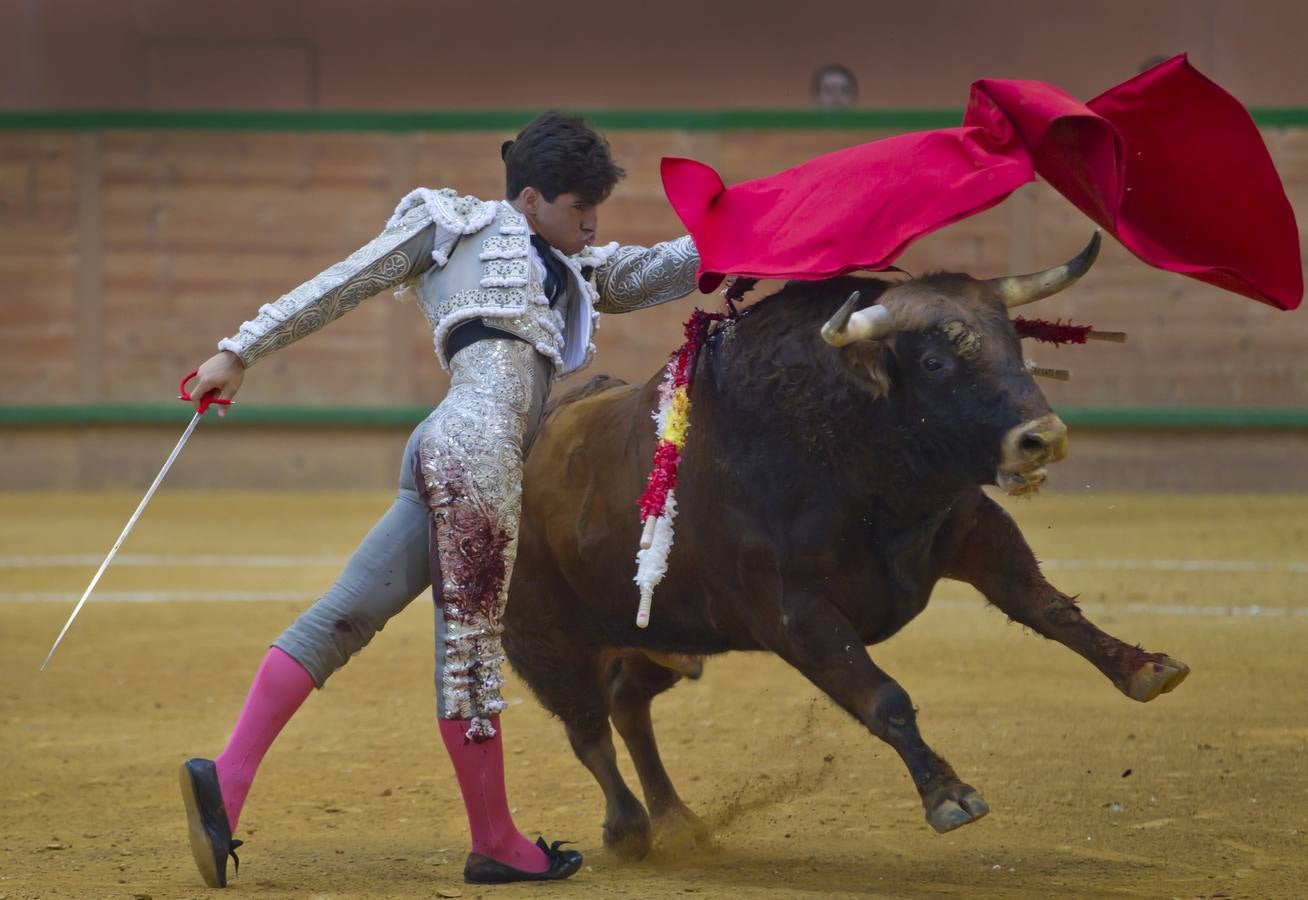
{"x":454,"y":525}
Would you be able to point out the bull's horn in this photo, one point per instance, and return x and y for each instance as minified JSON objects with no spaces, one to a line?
{"x":1016,"y":290}
{"x":849,"y":325}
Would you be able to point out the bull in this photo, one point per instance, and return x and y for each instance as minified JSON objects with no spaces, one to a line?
{"x":833,"y":475}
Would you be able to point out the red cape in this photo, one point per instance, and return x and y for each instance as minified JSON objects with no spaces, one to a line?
{"x":1167,"y":162}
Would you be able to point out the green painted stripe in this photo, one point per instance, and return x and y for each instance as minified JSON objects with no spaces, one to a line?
{"x":74,"y":414}
{"x":468,"y":120}
{"x":1281,"y":116}
{"x":1194,"y":418}
{"x":129,"y":414}
{"x":513,"y":119}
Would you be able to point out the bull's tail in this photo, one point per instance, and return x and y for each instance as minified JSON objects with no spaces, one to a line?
{"x":596,"y":385}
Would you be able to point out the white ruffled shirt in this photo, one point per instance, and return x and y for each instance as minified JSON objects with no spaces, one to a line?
{"x":538,"y":270}
{"x":571,"y":316}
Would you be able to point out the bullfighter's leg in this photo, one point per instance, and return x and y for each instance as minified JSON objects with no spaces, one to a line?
{"x":387,"y":571}
{"x":384,"y":574}
{"x":470,"y":477}
{"x":816,"y":638}
{"x":635,"y":682}
{"x":995,"y":558}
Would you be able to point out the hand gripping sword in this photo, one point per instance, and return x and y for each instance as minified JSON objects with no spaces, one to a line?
{"x":205,"y":402}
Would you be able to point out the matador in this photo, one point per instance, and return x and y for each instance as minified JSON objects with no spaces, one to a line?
{"x":513,"y":290}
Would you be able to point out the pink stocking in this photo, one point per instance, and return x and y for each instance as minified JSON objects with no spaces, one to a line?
{"x":279,"y":687}
{"x":480,"y":770}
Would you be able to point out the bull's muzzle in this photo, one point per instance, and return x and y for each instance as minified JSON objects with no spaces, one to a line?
{"x":1027,"y":449}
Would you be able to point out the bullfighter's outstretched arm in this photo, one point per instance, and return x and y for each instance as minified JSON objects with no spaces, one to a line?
{"x":634,"y":277}
{"x":401,"y":251}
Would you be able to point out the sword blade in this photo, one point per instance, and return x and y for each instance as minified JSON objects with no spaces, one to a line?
{"x":195,"y":420}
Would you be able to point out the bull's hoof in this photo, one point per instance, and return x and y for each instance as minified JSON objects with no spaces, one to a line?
{"x":955,"y":806}
{"x":1157,"y":676}
{"x":630,"y":840}
{"x":677,"y":828}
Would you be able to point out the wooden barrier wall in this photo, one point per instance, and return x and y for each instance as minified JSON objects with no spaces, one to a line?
{"x":126,"y":254}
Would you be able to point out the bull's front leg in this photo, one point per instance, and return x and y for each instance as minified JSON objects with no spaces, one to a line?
{"x":817,"y":639}
{"x":995,"y":558}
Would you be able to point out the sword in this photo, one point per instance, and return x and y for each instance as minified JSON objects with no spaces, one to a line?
{"x":205,"y":401}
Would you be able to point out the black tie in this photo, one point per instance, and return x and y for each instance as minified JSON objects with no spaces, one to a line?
{"x":553,"y":265}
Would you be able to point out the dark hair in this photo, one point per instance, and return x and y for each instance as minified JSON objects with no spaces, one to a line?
{"x":558,"y":154}
{"x":832,"y":69}
{"x":1149,"y":62}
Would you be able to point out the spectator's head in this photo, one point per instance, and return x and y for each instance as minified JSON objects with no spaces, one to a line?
{"x":834,"y":87}
{"x":556,"y":172}
{"x":1150,"y":61}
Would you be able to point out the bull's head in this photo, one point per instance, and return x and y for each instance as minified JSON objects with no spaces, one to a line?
{"x":942,"y":352}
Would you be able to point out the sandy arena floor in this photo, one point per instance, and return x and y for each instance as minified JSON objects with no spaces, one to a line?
{"x":1202,"y":793}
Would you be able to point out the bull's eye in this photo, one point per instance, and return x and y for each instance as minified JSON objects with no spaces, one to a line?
{"x":932,"y":363}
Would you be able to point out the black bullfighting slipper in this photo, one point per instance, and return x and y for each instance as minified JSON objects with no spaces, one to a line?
{"x":211,"y":836}
{"x":484,"y":870}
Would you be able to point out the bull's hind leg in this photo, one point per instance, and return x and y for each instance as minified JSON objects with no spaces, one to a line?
{"x":995,"y":558}
{"x":816,"y":638}
{"x":634,"y":683}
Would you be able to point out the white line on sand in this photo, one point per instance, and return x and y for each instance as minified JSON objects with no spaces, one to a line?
{"x":147,"y":560}
{"x":1179,"y":565}
{"x":160,"y":597}
{"x":160,"y":561}
{"x":1204,"y":610}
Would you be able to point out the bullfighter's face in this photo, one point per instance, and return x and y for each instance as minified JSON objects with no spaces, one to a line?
{"x":567,"y":223}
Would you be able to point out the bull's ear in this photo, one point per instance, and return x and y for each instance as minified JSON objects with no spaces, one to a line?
{"x":870,"y":362}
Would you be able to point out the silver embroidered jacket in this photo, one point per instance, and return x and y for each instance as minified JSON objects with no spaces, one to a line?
{"x":470,"y":259}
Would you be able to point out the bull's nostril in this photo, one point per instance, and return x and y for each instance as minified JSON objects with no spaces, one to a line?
{"x":1032,"y":442}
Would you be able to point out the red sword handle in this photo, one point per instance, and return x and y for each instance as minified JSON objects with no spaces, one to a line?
{"x":205,"y":401}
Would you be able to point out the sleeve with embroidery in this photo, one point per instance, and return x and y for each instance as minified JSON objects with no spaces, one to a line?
{"x":634,"y":277}
{"x":401,"y":252}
